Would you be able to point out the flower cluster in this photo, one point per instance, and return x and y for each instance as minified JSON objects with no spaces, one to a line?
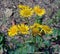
{"x":15,"y":29}
{"x":36,"y":29}
{"x":27,"y":11}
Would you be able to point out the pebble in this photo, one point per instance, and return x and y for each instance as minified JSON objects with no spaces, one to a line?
{"x":8,"y":12}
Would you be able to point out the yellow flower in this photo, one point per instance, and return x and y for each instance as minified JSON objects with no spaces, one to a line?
{"x":13,"y":31}
{"x":35,"y":25}
{"x":39,"y":11}
{"x":28,"y":12}
{"x":36,"y":29}
{"x":23,"y":29}
{"x":46,"y":29}
{"x":23,"y":6}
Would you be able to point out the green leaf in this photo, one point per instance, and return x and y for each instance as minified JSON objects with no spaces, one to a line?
{"x":56,"y":31}
{"x":39,"y":41}
{"x":11,"y":52}
{"x":47,"y":42}
{"x":0,"y":46}
{"x":1,"y":37}
{"x":25,"y":49}
{"x":1,"y":40}
{"x":38,"y":19}
{"x":30,"y":48}
{"x":58,"y":13}
{"x":29,"y":40}
{"x":49,"y":21}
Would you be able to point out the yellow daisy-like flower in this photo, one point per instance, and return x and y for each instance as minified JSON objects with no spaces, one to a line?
{"x":28,"y":12}
{"x":35,"y":25}
{"x":39,"y":11}
{"x":35,"y":29}
{"x":23,"y":6}
{"x":46,"y":29}
{"x":23,"y":29}
{"x":13,"y":31}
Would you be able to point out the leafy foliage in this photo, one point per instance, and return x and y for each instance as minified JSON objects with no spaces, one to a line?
{"x":1,"y":40}
{"x":56,"y":31}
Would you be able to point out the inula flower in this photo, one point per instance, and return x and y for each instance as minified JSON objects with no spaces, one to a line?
{"x":35,"y":29}
{"x":23,"y":29}
{"x":46,"y":29}
{"x":39,"y":11}
{"x":23,"y":6}
{"x":35,"y":25}
{"x":38,"y":29}
{"x":13,"y":31}
{"x":28,"y":12}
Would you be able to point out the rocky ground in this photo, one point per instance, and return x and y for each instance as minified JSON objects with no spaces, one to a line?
{"x":9,"y":12}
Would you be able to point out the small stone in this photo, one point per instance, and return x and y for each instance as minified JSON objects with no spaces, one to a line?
{"x":14,"y":6}
{"x":8,"y":12}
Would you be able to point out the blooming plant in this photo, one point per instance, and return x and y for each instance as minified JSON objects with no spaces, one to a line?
{"x":23,"y":29}
{"x":30,"y":36}
{"x":39,"y":11}
{"x":25,"y":11}
{"x":12,"y":31}
{"x":35,"y":31}
{"x":36,"y":28}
